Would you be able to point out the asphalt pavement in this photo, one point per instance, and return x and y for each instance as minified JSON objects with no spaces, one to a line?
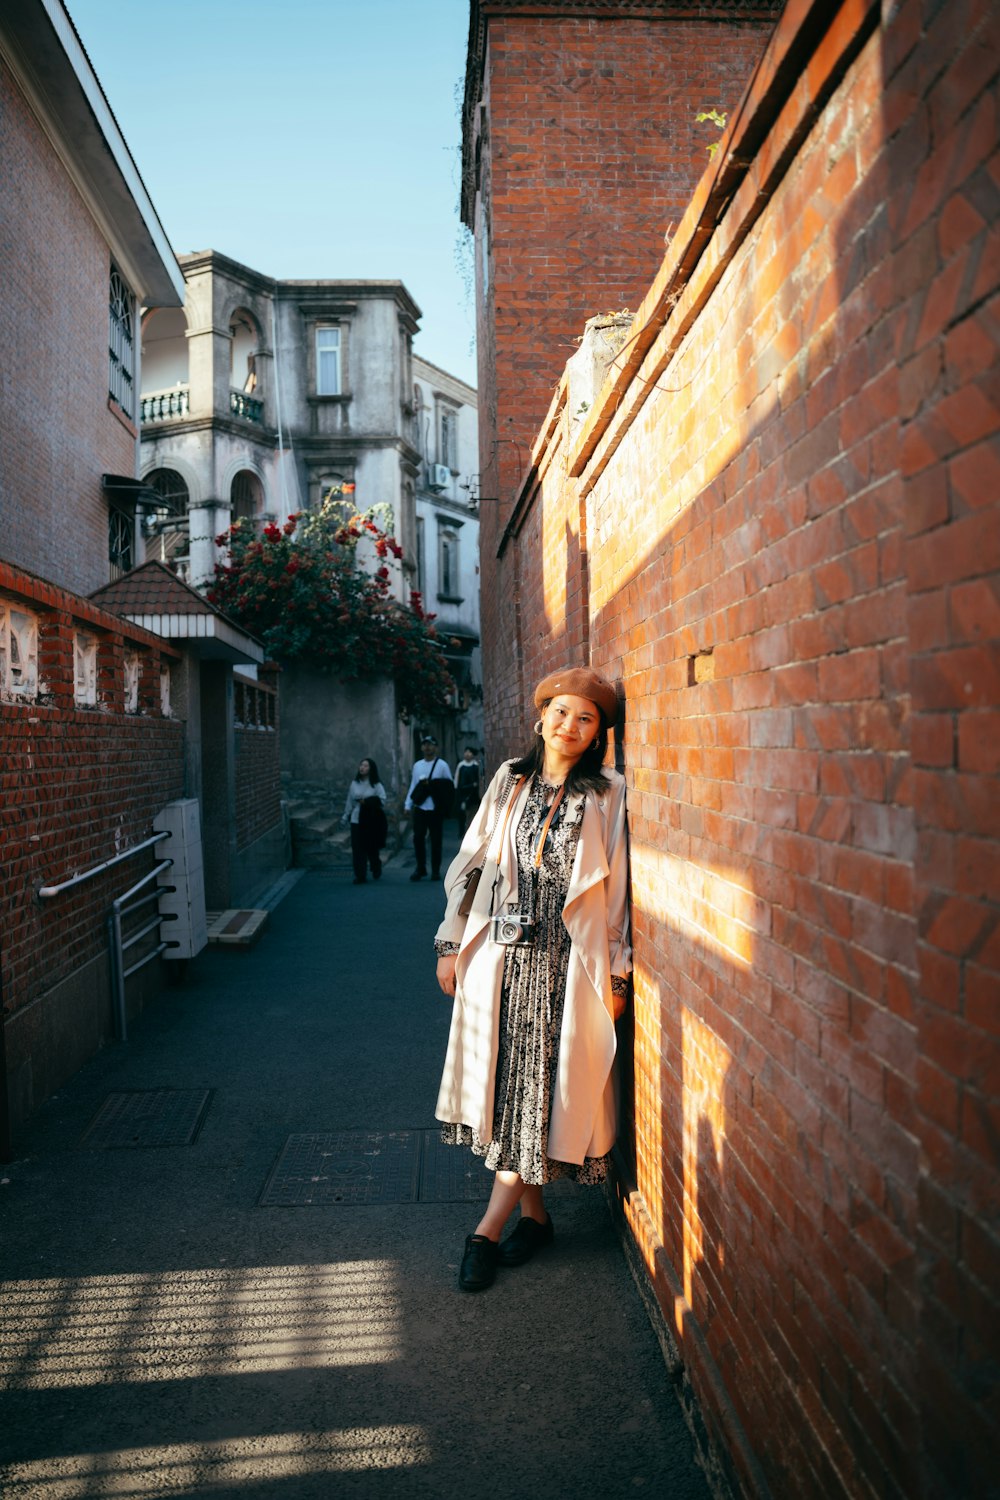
{"x":230,"y":1247}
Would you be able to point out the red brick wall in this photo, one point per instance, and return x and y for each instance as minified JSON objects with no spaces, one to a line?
{"x":783,"y":518}
{"x":592,"y":150}
{"x":79,"y":786}
{"x":941,"y":105}
{"x":59,"y":434}
{"x":258,"y":765}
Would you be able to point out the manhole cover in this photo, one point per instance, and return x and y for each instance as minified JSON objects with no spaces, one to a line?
{"x":451,"y":1174}
{"x":354,"y":1167}
{"x":346,"y":1167}
{"x":150,"y":1117}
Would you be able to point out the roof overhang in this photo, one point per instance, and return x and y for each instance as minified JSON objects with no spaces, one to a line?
{"x":127,"y":491}
{"x":45,"y":53}
{"x":210,"y":637}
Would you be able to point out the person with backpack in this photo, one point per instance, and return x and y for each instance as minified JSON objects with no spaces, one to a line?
{"x":429,"y":800}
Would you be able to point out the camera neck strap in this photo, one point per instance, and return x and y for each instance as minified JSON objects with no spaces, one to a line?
{"x":543,"y":835}
{"x":540,"y":840}
{"x":503,"y":834}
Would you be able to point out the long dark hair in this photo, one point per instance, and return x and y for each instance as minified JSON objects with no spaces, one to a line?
{"x":585,"y":775}
{"x":372,"y":771}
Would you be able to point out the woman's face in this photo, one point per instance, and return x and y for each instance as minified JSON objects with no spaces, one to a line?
{"x":363,"y":769}
{"x":570,"y":725}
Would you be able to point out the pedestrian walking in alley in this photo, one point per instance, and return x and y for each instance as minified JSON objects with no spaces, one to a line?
{"x":429,"y":798}
{"x":534,"y":948}
{"x":364,"y":810}
{"x":467,"y":791}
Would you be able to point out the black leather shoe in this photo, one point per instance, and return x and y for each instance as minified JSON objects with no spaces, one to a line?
{"x":419,"y":875}
{"x":525,"y":1238}
{"x":479,"y":1264}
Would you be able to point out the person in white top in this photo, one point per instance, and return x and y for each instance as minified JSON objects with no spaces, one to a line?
{"x":429,"y":805}
{"x":367,"y":820}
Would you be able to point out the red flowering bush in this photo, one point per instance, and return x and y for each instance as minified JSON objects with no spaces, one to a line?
{"x":301,"y":589}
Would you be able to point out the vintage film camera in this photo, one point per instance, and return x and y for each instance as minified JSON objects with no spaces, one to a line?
{"x":511,"y":927}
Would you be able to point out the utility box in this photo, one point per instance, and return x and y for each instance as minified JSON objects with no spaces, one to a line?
{"x":182,"y":888}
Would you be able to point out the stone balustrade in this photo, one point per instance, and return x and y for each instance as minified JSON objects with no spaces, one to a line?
{"x":164,"y":406}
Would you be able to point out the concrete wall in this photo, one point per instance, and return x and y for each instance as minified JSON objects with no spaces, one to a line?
{"x":776,"y":526}
{"x":329,"y":727}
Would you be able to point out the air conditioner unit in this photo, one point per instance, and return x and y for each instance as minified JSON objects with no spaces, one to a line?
{"x":182,"y":886}
{"x":440,"y":477}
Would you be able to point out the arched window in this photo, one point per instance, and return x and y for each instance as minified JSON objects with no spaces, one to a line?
{"x":166,"y":528}
{"x":165,"y":391}
{"x":243,"y":353}
{"x":244,"y":374}
{"x":246,"y":498}
{"x":121,"y":344}
{"x":448,"y":576}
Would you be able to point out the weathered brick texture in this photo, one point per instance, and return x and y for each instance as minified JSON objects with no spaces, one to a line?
{"x":58,"y":425}
{"x":258,"y":765}
{"x":779,"y":528}
{"x":79,"y":786}
{"x":591,"y":151}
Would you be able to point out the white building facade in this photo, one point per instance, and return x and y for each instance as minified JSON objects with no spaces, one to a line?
{"x":446,"y":435}
{"x":260,"y":395}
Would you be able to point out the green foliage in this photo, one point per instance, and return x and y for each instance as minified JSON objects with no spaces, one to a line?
{"x":301,"y":589}
{"x":715,"y":117}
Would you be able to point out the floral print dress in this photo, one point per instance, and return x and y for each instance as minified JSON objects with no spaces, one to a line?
{"x":531,"y":1007}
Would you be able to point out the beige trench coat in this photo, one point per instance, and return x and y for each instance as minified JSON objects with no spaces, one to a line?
{"x":582,"y":1122}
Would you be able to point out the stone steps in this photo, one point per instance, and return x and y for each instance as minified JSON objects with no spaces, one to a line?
{"x":319,"y":842}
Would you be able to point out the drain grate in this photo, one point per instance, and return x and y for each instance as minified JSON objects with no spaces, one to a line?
{"x":356,"y":1167}
{"x":451,"y":1174}
{"x":150,"y":1117}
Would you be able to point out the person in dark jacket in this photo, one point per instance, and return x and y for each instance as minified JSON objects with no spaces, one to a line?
{"x":467,"y":793}
{"x":428,"y":806}
{"x":367,"y":821}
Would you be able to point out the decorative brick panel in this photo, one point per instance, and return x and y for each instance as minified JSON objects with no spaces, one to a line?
{"x":79,"y":786}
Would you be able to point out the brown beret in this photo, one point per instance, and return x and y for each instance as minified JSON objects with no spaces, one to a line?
{"x":581,"y":682}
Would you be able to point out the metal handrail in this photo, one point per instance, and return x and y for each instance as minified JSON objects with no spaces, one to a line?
{"x":137,"y":937}
{"x":47,"y":891}
{"x":127,"y":895}
{"x":117,"y":946}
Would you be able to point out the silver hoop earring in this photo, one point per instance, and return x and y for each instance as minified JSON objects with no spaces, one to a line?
{"x":538,"y":726}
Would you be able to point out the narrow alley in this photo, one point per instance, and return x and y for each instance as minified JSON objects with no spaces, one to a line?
{"x":232,"y":1315}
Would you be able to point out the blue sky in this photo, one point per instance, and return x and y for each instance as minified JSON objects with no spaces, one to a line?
{"x":307,"y":138}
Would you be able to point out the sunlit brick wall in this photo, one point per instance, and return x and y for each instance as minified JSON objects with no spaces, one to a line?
{"x":789,"y":524}
{"x":589,"y":152}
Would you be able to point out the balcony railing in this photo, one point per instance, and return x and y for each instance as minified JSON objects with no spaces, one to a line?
{"x":247,"y":407}
{"x":164,"y":406}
